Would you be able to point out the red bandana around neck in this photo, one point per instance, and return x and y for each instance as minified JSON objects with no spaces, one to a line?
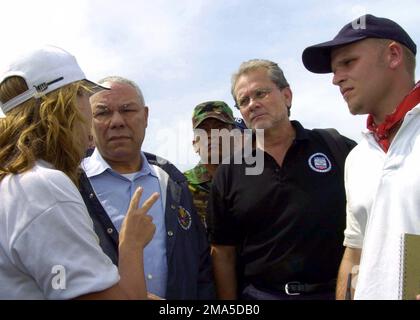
{"x":382,"y":132}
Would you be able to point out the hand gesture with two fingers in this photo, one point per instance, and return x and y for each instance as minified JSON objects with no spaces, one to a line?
{"x":138,"y":228}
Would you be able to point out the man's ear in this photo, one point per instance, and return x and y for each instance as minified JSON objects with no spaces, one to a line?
{"x":395,"y":55}
{"x":287,"y":93}
{"x":146,"y":115}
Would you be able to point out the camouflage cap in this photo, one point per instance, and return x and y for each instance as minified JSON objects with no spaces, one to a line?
{"x":212,"y":109}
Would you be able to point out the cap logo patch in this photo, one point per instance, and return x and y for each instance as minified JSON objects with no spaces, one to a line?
{"x":319,"y":162}
{"x":184,"y":218}
{"x":44,"y":86}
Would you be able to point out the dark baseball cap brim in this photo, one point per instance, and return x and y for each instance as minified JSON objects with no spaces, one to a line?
{"x":317,"y":58}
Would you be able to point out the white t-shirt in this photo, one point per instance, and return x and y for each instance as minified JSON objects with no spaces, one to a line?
{"x":383,"y":203}
{"x":48,"y":248}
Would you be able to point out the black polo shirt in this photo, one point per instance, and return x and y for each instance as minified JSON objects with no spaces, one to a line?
{"x":287,"y":222}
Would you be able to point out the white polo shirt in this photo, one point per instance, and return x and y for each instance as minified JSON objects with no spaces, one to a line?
{"x":383,"y":195}
{"x":48,"y":248}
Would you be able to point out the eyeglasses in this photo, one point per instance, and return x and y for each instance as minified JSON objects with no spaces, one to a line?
{"x":257,"y":95}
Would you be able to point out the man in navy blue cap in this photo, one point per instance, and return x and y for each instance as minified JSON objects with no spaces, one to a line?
{"x":373,"y":61}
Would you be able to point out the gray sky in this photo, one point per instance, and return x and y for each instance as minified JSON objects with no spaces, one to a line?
{"x":183,"y":52}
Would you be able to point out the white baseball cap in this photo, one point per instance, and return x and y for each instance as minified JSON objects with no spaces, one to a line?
{"x":45,"y":69}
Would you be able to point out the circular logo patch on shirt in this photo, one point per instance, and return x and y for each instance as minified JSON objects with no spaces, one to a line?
{"x":184,"y":218}
{"x":319,"y":162}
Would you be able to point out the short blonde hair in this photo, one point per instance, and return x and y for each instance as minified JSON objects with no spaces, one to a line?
{"x":410,"y":62}
{"x":408,"y":56}
{"x":41,"y":129}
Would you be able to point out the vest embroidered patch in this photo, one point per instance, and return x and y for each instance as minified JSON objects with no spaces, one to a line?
{"x":184,"y":218}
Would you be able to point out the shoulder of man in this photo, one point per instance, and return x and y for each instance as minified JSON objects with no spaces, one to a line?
{"x":331,"y":135}
{"x":339,"y":145}
{"x":197,"y":175}
{"x":166,"y":166}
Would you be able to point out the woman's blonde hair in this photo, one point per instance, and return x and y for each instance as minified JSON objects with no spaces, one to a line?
{"x":41,"y":128}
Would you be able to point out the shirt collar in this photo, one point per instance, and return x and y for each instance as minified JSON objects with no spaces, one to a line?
{"x":301,"y":133}
{"x":382,"y":131}
{"x":96,"y":165}
{"x":44,"y":164}
{"x":366,"y":132}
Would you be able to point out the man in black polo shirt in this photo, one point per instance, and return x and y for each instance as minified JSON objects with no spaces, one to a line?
{"x":281,"y":230}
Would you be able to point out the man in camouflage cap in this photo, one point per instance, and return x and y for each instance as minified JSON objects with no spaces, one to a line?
{"x":206,"y":116}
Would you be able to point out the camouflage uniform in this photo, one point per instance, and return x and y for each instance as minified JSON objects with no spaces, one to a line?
{"x":199,"y":183}
{"x":199,"y":179}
